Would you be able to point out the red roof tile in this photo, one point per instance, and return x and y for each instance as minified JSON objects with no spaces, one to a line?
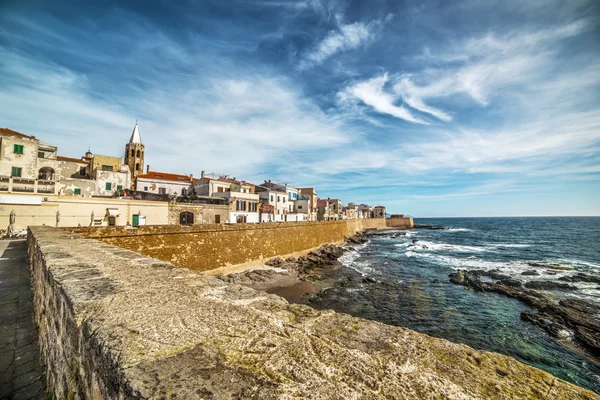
{"x":7,"y":131}
{"x":165,"y":176}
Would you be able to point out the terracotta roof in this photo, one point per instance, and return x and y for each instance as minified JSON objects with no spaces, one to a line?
{"x":379,"y":207}
{"x":77,"y":160}
{"x":165,"y":176}
{"x":7,"y":131}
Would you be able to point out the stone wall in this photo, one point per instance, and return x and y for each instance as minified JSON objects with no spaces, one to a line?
{"x":114,"y":324}
{"x":406,"y":222}
{"x":206,"y":247}
{"x":203,"y":213}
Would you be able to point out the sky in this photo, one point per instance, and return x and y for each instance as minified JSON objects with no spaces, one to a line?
{"x":431,"y":108}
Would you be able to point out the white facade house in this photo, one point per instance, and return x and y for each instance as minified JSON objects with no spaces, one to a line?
{"x":164,"y":183}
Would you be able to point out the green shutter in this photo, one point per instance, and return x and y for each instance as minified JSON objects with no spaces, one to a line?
{"x":108,"y":186}
{"x":77,"y":191}
{"x":18,"y":149}
{"x":16,"y":172}
{"x":119,"y":187}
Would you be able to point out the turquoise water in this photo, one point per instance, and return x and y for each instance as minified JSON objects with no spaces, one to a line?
{"x":412,"y":288}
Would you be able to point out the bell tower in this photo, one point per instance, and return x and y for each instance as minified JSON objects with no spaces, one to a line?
{"x":134,"y":153}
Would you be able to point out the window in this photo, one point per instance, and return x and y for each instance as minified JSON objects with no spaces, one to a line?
{"x":77,"y":191}
{"x":138,"y":153}
{"x":183,"y":191}
{"x":299,"y":207}
{"x":132,"y":153}
{"x":284,"y":199}
{"x":252,"y":207}
{"x":186,"y":218}
{"x":82,"y":171}
{"x":119,"y":187}
{"x":145,"y":188}
{"x":217,"y":219}
{"x":220,"y":189}
{"x":41,"y":154}
{"x":112,"y":221}
{"x":162,"y":191}
{"x":18,"y":149}
{"x":107,"y":168}
{"x":16,"y":172}
{"x":108,"y":186}
{"x":137,"y":166}
{"x":241,"y":219}
{"x":271,"y":198}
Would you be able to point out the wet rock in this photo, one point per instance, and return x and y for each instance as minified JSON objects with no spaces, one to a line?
{"x":457,"y":277}
{"x":549,"y":285}
{"x":290,"y":260}
{"x":558,"y":267}
{"x":581,"y":277}
{"x":554,"y":328}
{"x":368,"y":279}
{"x":567,"y":317}
{"x":510,"y":282}
{"x":497,"y":275}
{"x":530,"y":273}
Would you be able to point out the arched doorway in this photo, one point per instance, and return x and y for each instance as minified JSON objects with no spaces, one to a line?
{"x":46,"y":173}
{"x":186,"y":218}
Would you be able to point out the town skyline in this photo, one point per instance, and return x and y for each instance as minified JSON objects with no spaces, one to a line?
{"x":429,"y":110}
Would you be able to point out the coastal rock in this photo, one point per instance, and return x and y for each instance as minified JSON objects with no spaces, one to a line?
{"x":510,"y":282}
{"x":577,"y":316}
{"x":550,"y":325}
{"x":581,"y":277}
{"x":549,"y":285}
{"x":558,"y":267}
{"x":368,"y":279}
{"x":530,"y":273}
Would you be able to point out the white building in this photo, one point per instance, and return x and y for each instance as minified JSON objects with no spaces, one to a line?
{"x":164,"y":183}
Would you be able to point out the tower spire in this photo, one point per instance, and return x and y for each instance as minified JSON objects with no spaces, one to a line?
{"x":135,"y":135}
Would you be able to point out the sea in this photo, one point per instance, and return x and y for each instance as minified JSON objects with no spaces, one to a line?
{"x":403,"y":280}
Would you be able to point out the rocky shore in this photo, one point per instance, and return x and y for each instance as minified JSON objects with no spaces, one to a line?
{"x":566,"y":319}
{"x":296,"y":276}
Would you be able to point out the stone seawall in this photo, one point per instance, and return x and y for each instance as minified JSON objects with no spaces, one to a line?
{"x":207,"y":247}
{"x":400,"y":222}
{"x":114,"y":324}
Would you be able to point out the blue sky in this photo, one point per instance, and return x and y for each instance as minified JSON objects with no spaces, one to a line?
{"x":435,"y":108}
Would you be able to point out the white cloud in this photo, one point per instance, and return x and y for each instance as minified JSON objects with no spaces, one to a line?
{"x":477,"y":67}
{"x":372,"y":93}
{"x":347,"y":37}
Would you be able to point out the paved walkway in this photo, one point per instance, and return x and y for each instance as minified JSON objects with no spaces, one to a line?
{"x":21,"y":375}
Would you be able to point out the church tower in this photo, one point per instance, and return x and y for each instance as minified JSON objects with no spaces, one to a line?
{"x":134,"y":153}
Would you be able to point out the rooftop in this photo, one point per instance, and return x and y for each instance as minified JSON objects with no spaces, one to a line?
{"x":165,"y":176}
{"x":7,"y":131}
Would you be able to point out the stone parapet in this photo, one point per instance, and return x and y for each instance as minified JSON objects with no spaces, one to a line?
{"x":114,"y":324}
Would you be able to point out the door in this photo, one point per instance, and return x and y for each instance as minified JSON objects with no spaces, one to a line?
{"x":136,"y":220}
{"x":217,"y":219}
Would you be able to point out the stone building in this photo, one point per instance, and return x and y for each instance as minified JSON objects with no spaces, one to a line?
{"x":28,"y":165}
{"x":350,"y":211}
{"x":364,"y":211}
{"x":379,"y":212}
{"x":240,"y":196}
{"x":134,"y":153}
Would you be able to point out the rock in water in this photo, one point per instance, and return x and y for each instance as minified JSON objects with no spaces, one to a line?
{"x":549,"y":285}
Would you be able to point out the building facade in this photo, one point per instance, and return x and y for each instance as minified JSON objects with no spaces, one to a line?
{"x":165,"y":183}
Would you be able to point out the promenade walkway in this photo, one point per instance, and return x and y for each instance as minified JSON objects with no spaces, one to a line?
{"x":21,"y":375}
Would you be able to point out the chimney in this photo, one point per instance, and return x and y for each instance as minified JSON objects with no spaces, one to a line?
{"x":202,"y":174}
{"x":192,"y":177}
{"x":148,"y":168}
